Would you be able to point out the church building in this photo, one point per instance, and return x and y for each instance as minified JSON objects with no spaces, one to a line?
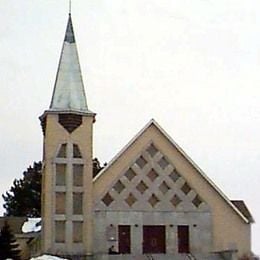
{"x":150,"y":202}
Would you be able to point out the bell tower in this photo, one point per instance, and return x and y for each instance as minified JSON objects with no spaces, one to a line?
{"x":67,"y":160}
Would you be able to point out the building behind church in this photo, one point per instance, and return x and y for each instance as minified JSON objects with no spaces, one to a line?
{"x":150,"y":202}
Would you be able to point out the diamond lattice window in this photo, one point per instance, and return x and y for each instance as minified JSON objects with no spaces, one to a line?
{"x":107,"y":199}
{"x":130,"y":200}
{"x":186,"y":188}
{"x":164,"y":187}
{"x":174,"y":175}
{"x":175,"y":200}
{"x":152,"y":175}
{"x":141,"y":162}
{"x":152,"y":150}
{"x":153,"y":200}
{"x":130,"y":174}
{"x":197,"y":201}
{"x":119,"y":187}
{"x":141,"y":187}
{"x":163,"y":163}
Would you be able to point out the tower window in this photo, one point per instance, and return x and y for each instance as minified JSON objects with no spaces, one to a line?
{"x":78,"y":175}
{"x":60,"y":202}
{"x":63,"y":151}
{"x":77,"y":231}
{"x":76,"y":151}
{"x":77,"y":203}
{"x":60,"y":227}
{"x":60,"y":174}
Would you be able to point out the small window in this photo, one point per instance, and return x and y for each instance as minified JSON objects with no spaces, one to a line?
{"x":77,"y":231}
{"x":76,"y":151}
{"x":63,"y":151}
{"x":77,"y":203}
{"x":60,"y":202}
{"x":60,"y":174}
{"x":78,"y":175}
{"x":60,"y":228}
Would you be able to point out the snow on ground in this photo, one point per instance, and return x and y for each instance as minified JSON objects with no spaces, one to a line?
{"x":32,"y":225}
{"x":47,"y":257}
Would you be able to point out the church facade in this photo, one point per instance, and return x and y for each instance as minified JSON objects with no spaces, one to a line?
{"x":150,"y":202}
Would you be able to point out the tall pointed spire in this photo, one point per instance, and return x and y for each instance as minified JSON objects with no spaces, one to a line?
{"x":69,"y":94}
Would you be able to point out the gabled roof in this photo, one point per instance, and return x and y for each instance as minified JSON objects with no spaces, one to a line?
{"x":69,"y":94}
{"x":238,"y":210}
{"x":240,"y":204}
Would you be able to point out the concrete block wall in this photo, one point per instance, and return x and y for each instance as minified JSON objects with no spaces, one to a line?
{"x":200,"y":229}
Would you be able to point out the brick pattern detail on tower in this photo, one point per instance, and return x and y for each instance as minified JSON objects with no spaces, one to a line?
{"x":70,"y":121}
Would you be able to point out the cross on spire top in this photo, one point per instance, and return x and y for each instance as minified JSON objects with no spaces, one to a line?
{"x":69,"y":6}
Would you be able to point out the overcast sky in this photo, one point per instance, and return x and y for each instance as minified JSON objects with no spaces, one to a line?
{"x":192,"y":65}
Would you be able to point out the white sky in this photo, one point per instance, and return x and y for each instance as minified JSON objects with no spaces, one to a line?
{"x":192,"y":65}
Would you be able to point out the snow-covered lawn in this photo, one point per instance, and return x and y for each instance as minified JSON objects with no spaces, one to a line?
{"x":32,"y":225}
{"x":47,"y":257}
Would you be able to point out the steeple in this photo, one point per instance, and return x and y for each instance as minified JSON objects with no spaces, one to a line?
{"x":67,"y":186}
{"x":69,"y":94}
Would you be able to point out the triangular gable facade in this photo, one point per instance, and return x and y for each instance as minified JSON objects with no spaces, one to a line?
{"x":153,"y":182}
{"x":158,"y":169}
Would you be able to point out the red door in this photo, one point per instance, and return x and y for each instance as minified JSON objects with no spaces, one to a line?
{"x":124,"y":237}
{"x":154,"y":240}
{"x":183,"y":239}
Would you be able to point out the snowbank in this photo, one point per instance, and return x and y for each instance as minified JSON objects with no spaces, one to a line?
{"x":32,"y":225}
{"x":47,"y":257}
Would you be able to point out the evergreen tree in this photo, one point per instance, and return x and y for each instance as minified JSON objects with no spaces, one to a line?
{"x":24,"y":197}
{"x":8,"y":245}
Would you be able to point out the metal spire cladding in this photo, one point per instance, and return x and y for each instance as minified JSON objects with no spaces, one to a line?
{"x":69,"y":94}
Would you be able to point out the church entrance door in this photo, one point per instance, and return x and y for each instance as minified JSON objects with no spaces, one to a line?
{"x":154,"y":240}
{"x":124,"y":236}
{"x":183,"y":239}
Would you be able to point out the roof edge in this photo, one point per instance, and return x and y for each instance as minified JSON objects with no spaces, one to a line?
{"x":56,"y":112}
{"x":196,"y":167}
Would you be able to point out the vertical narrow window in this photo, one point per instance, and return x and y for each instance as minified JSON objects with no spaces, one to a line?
{"x":60,"y":174}
{"x":77,"y":174}
{"x":60,"y":202}
{"x":183,"y":239}
{"x":60,"y":229}
{"x":77,"y":203}
{"x":124,"y":239}
{"x":77,"y":231}
{"x":76,"y":151}
{"x":63,"y":151}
